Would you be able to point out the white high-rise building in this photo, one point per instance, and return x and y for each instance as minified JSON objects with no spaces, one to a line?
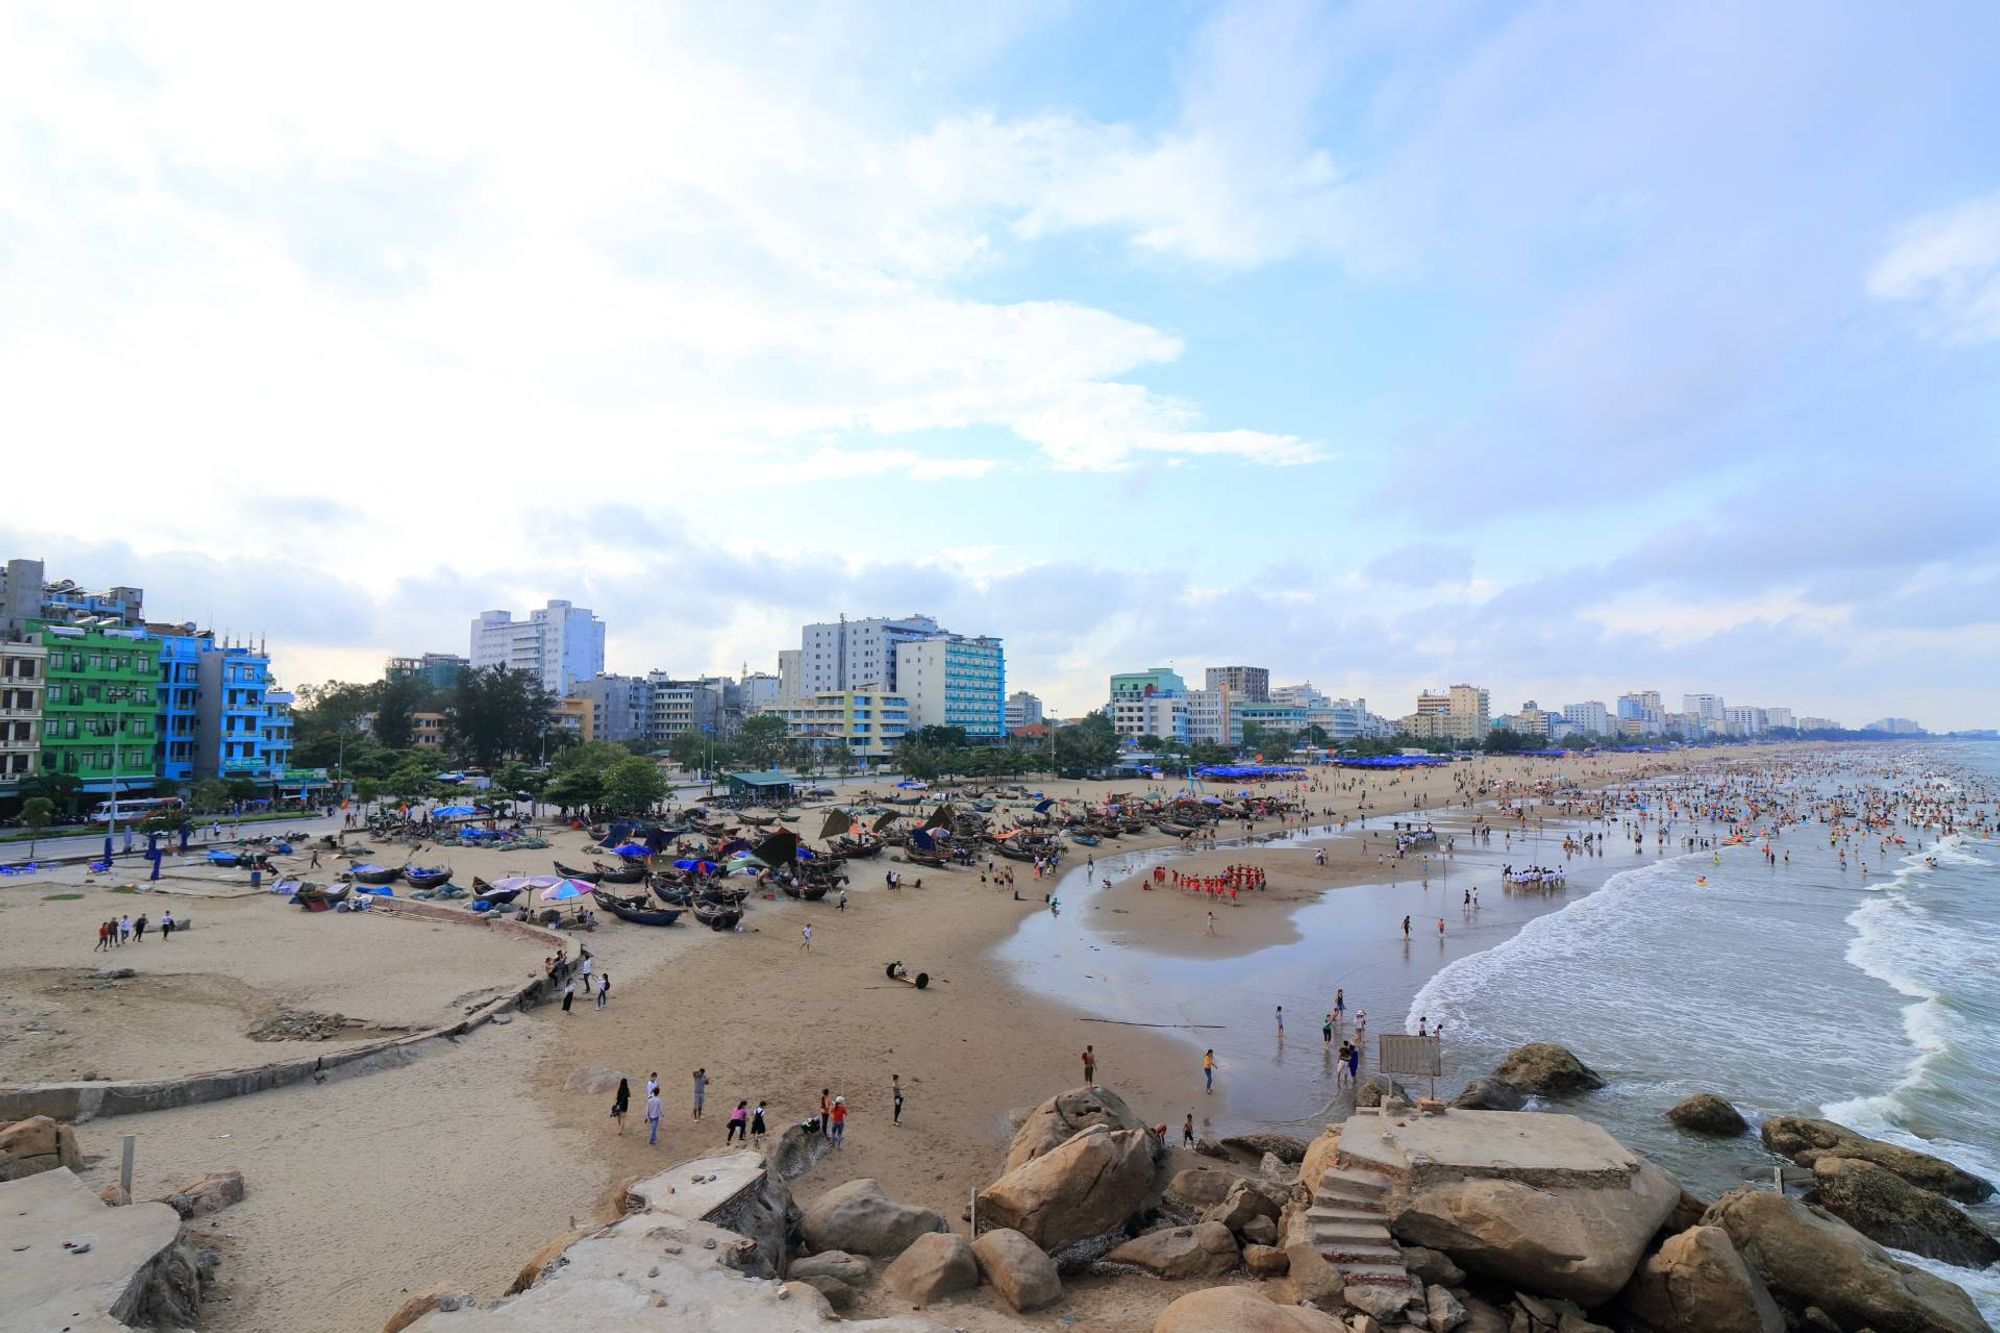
{"x":559,"y":644}
{"x":1591,"y":717}
{"x":950,"y":680}
{"x":848,"y":654}
{"x":1023,"y":710}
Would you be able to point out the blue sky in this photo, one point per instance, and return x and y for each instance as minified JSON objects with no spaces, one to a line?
{"x":1563,"y":349}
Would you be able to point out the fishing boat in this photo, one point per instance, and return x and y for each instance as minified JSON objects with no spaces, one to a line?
{"x":1082,"y":838}
{"x":587,"y":876}
{"x":427,"y":877}
{"x":318,"y":897}
{"x":717,"y":916}
{"x":810,"y":893}
{"x":365,"y":873}
{"x":636,"y":910}
{"x":632,"y":872}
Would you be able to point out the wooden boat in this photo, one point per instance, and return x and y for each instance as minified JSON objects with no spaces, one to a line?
{"x":717,"y":916}
{"x":320,"y":898}
{"x":632,"y":872}
{"x":587,"y":876}
{"x":364,"y":873}
{"x":421,"y":877}
{"x":856,"y":847}
{"x":636,"y":910}
{"x":811,"y":893}
{"x":1086,"y":839}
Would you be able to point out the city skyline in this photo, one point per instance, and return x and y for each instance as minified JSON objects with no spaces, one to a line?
{"x":1562,"y":352}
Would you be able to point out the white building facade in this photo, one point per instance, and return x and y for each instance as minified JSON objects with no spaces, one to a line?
{"x":951,"y":680}
{"x":856,"y":654}
{"x":559,"y":644}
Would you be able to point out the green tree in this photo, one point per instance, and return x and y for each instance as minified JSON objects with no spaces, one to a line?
{"x":759,"y":739}
{"x":1086,"y":746}
{"x":414,"y":779}
{"x":497,"y":714}
{"x":688,"y":749}
{"x":633,"y":786}
{"x":367,"y":790}
{"x":574,"y":789}
{"x":395,"y":700}
{"x":62,"y":790}
{"x":1503,"y":740}
{"x":210,"y":795}
{"x":37,"y":813}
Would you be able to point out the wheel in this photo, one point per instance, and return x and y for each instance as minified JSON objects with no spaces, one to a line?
{"x":923,"y":980}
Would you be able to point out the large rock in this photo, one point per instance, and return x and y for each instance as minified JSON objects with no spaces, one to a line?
{"x":836,"y":1264}
{"x":1322,"y":1154}
{"x":37,"y":1144}
{"x":1808,"y":1257}
{"x":1266,"y":1260}
{"x":859,"y":1218}
{"x":1241,"y":1205}
{"x":1064,"y":1116}
{"x":1015,"y":1267}
{"x":1698,"y":1283}
{"x":1547,"y":1070}
{"x":1241,"y":1310}
{"x":837,"y":1294}
{"x":1377,"y":1088}
{"x":1197,"y":1188}
{"x":1090,"y":1185}
{"x":1575,"y":1242}
{"x":1443,"y":1311}
{"x":207,"y":1194}
{"x":1803,"y":1140}
{"x":1708,"y":1113}
{"x":1291,"y":1151}
{"x":934,"y":1265}
{"x":1311,"y":1280}
{"x":1206,"y":1249}
{"x":1889,"y":1210}
{"x":1487,"y":1093}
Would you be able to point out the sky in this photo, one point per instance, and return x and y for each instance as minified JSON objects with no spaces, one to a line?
{"x":1563,"y":349}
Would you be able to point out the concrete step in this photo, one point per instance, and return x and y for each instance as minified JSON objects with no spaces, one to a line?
{"x":1343,"y":1254}
{"x":1357,"y":1233}
{"x":1374,"y":1275}
{"x":1324,"y":1201}
{"x":1339,"y":1210}
{"x":1372,"y":1184}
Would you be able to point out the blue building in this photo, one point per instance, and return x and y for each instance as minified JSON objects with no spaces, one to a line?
{"x":179,"y":692}
{"x":953,"y":680}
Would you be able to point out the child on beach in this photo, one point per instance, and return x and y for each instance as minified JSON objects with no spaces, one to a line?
{"x":738,"y":1123}
{"x":621,"y":1103}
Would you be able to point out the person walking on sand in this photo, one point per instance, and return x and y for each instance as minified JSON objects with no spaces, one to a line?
{"x":841,"y":905}
{"x":653,"y":1118}
{"x":621,"y":1102}
{"x":1187,"y":1131}
{"x":1208,"y":1068}
{"x":1211,"y":923}
{"x":125,"y":929}
{"x":315,"y":866}
{"x":603,"y":989}
{"x":896,"y":1098}
{"x":700,"y":1089}
{"x":166,"y":926}
{"x":1090,"y":1066}
{"x":757,"y":1123}
{"x":569,"y":993}
{"x":825,"y":1109}
{"x":139,"y":929}
{"x":739,"y":1124}
{"x":806,"y":938}
{"x":652,"y":1083}
{"x":103,"y":937}
{"x":839,"y":1122}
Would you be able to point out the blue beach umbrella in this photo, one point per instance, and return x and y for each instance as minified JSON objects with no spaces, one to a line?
{"x":564,"y":889}
{"x":630,"y":849}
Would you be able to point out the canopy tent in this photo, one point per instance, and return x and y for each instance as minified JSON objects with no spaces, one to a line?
{"x":1248,"y":770}
{"x":454,"y":811}
{"x":762,"y":786}
{"x":1391,"y":761}
{"x":697,"y":865}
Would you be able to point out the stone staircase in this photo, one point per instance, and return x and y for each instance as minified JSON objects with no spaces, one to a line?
{"x":1349,"y":1224}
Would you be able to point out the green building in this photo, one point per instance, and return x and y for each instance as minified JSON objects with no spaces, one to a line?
{"x":100,"y":710}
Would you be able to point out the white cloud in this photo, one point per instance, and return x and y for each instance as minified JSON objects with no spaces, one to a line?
{"x":1947,"y":262}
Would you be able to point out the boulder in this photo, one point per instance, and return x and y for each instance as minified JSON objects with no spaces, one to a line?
{"x":1707,"y":1113}
{"x":115,"y":1195}
{"x":1322,"y":1155}
{"x":1197,"y":1188}
{"x":1210,"y":1148}
{"x":1064,"y":1116}
{"x":1015,"y":1267}
{"x":1444,"y":1312}
{"x":1203,"y":1250}
{"x":1259,"y":1231}
{"x":1382,"y":1301}
{"x":1803,"y":1139}
{"x":836,"y":1264}
{"x":1310,"y":1279}
{"x":1568,"y":1241}
{"x":1266,"y":1260}
{"x":1432,"y":1266}
{"x":37,"y":1144}
{"x":1890,"y":1211}
{"x":859,"y":1218}
{"x":1547,"y":1070}
{"x":936,"y":1264}
{"x":1481,"y":1317}
{"x":1687,"y":1213}
{"x":1809,"y":1257}
{"x":1376,"y":1087}
{"x":1490,"y":1094}
{"x":415,"y":1308}
{"x":1240,"y":1205}
{"x":1698,"y":1283}
{"x":1241,"y":1310}
{"x":838,"y":1295}
{"x":1284,"y":1147}
{"x":207,"y":1194}
{"x":1090,"y":1185}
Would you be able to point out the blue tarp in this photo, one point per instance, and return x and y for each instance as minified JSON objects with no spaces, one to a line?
{"x":1392,"y":761}
{"x":630,"y":849}
{"x":1247,"y":770}
{"x":455,"y":811}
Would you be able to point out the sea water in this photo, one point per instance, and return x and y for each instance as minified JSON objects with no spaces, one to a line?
{"x":1800,"y":988}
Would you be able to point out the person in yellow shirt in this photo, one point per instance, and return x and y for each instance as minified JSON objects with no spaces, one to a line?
{"x":1208,"y":1068}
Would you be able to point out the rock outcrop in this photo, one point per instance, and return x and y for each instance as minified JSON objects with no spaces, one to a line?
{"x":1206,"y":1249}
{"x":1016,"y":1267}
{"x":1064,"y":1116}
{"x":1197,"y":1188}
{"x":1241,"y":1310}
{"x":1547,"y":1070}
{"x":1090,"y":1185}
{"x":140,"y":1269}
{"x":1377,"y":1088}
{"x":1889,"y":1210}
{"x":1708,"y":1113}
{"x":207,"y":1194}
{"x":1244,"y":1203}
{"x":859,"y":1218}
{"x":1803,"y":1140}
{"x":1697,"y":1283}
{"x":937,"y":1264}
{"x":1311,"y":1280}
{"x":1322,"y":1153}
{"x":1287,"y":1149}
{"x":1809,"y":1258}
{"x":29,"y":1147}
{"x":836,"y":1264}
{"x":1582,"y":1243}
{"x":1490,"y":1094}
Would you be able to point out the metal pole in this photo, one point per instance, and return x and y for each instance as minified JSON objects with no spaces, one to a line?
{"x":125,"y":1166}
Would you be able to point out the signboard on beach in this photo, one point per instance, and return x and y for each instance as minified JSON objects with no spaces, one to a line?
{"x":1421,"y":1057}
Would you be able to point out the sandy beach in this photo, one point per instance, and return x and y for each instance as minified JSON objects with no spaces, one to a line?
{"x":465,"y":1162}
